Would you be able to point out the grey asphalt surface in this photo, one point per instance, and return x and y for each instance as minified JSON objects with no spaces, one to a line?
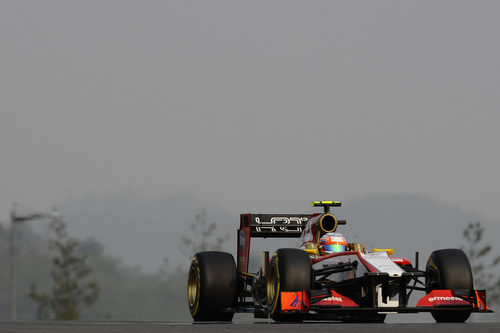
{"x":154,"y":327}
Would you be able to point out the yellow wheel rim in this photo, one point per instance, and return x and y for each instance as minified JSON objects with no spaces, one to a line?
{"x":193,"y":286}
{"x":272,"y":286}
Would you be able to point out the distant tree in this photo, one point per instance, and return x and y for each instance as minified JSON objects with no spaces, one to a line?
{"x":202,"y":236}
{"x":69,"y":268}
{"x":483,"y":265}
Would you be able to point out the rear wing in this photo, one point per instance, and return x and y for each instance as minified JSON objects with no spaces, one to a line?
{"x":267,"y":225}
{"x":275,"y":225}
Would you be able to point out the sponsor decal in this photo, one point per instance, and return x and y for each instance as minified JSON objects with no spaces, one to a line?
{"x":295,"y":302}
{"x":242,"y":239}
{"x":292,"y":301}
{"x":333,"y":299}
{"x":441,"y":298}
{"x":285,"y":224}
{"x":336,"y":299}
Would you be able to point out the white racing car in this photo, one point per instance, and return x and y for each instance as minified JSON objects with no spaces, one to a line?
{"x":326,"y":278}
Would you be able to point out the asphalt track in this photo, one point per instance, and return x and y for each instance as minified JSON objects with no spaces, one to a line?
{"x":160,"y":327}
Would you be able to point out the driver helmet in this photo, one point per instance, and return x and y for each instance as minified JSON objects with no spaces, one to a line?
{"x":333,"y":242}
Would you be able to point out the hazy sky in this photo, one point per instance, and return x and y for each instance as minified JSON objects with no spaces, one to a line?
{"x":257,"y":105}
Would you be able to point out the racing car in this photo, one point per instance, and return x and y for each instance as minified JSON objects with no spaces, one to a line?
{"x":326,"y":278}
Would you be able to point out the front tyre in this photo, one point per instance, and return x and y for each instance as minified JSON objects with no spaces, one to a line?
{"x":212,"y":286}
{"x":449,"y":269}
{"x":289,"y":270}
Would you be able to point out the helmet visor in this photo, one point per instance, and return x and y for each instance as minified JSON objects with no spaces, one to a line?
{"x":334,"y":247}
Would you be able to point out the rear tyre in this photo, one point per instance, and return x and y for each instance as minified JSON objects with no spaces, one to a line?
{"x":289,"y":270}
{"x":212,"y":286}
{"x":449,"y":269}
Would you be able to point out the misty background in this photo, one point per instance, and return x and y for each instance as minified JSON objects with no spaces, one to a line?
{"x":132,"y":117}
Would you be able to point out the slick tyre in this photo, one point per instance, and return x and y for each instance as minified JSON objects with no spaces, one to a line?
{"x":212,"y":286}
{"x":449,"y":269}
{"x":289,"y":270}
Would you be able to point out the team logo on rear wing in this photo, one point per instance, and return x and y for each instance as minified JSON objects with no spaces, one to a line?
{"x":281,"y":223}
{"x":277,"y":225}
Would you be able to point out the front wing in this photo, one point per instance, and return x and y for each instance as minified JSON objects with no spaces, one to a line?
{"x":318,"y":301}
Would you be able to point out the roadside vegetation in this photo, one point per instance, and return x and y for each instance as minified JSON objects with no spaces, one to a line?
{"x":111,"y":289}
{"x":483,"y":261}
